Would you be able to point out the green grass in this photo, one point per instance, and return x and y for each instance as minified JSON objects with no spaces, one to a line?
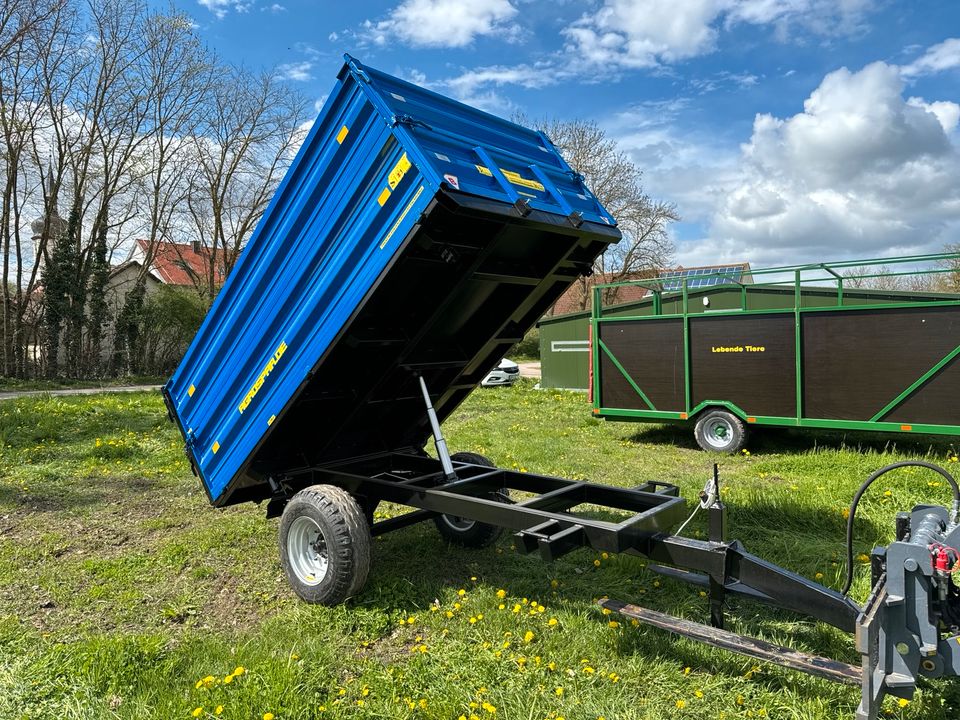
{"x":120,"y":588}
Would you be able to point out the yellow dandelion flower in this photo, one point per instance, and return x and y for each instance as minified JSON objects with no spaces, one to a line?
{"x":489,"y":708}
{"x":473,"y":621}
{"x":863,"y":557}
{"x":411,"y":620}
{"x":551,"y":622}
{"x":516,"y":608}
{"x":604,"y":555}
{"x":551,"y":665}
{"x":818,"y":576}
{"x":739,"y":699}
{"x":613,"y":624}
{"x":558,"y":692}
{"x":461,"y":592}
{"x":501,"y":606}
{"x":686,"y":671}
{"x":698,"y":693}
{"x":845,"y":512}
{"x":528,"y":636}
{"x":596,"y":563}
{"x":681,"y":704}
{"x":501,"y":593}
{"x":554,"y":584}
{"x":197,"y":712}
{"x":228,"y":679}
{"x":422,"y":703}
{"x":239,"y":670}
{"x":887,"y":493}
{"x":448,"y":614}
{"x":218,"y":709}
{"x":589,"y":670}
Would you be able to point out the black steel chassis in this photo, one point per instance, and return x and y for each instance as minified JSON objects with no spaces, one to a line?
{"x":561,"y":515}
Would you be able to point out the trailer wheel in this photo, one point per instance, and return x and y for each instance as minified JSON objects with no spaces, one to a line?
{"x":720,"y":431}
{"x":469,"y":533}
{"x":324,"y":545}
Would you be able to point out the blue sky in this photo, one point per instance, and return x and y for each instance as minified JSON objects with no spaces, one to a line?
{"x":785,"y":131}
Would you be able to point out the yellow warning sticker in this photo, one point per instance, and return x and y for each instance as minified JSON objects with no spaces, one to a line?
{"x":342,"y":134}
{"x":216,"y":446}
{"x":400,"y":219}
{"x":270,"y":421}
{"x":384,"y":196}
{"x":513,"y":177}
{"x":191,"y":390}
{"x":399,"y":170}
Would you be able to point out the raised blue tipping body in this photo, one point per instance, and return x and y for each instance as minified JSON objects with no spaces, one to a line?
{"x":412,"y":235}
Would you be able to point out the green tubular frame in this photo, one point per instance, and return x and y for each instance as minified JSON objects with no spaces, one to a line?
{"x":800,"y":278}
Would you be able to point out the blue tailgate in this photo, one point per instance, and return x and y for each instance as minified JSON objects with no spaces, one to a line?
{"x":388,"y":176}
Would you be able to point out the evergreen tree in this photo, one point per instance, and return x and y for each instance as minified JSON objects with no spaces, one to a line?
{"x":127,"y":350}
{"x":99,"y":276}
{"x":58,"y":279}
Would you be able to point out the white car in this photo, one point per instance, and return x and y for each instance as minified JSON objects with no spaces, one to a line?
{"x":506,"y":373}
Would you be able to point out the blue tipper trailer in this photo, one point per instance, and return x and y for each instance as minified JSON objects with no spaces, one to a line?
{"x":412,"y":242}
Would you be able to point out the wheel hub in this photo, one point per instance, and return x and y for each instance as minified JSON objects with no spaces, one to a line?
{"x":307,"y":551}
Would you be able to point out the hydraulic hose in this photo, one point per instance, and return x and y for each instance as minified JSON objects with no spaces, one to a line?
{"x":869,"y":481}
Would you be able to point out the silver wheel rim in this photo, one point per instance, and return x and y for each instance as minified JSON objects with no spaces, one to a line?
{"x":307,"y":551}
{"x":718,"y":433}
{"x":458,"y":523}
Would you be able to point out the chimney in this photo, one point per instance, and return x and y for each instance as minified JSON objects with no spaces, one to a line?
{"x":196,"y":246}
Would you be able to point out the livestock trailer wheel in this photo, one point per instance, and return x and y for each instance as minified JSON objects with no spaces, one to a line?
{"x":324,"y":545}
{"x":720,"y":431}
{"x":461,"y":531}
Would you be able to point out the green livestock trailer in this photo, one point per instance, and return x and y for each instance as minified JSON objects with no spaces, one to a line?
{"x":799,"y":347}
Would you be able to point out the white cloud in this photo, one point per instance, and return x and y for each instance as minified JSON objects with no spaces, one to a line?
{"x":647,"y":33}
{"x":859,"y":172}
{"x":298,"y":71}
{"x":443,"y":23}
{"x":220,"y":8}
{"x":275,"y":8}
{"x":937,"y":58}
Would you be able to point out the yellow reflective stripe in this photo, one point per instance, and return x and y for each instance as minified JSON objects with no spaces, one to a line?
{"x":342,"y":134}
{"x":191,"y":390}
{"x":216,"y":446}
{"x":384,"y":196}
{"x":400,"y":219}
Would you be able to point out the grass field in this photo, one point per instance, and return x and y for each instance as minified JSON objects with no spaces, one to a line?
{"x":123,"y":594}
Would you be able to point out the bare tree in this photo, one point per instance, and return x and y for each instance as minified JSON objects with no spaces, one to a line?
{"x":617,"y":183}
{"x":28,"y":31}
{"x":252,"y":129}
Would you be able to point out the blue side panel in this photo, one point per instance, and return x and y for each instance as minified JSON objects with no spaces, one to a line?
{"x":323,"y":241}
{"x":382,"y":155}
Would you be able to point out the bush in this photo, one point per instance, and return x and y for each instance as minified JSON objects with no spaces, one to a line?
{"x":527,"y":349}
{"x":171,"y":317}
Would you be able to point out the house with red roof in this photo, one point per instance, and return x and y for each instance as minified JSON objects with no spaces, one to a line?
{"x":183,"y":264}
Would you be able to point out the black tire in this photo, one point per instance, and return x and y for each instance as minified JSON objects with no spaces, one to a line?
{"x":469,"y":533}
{"x":330,"y":516}
{"x":720,"y":431}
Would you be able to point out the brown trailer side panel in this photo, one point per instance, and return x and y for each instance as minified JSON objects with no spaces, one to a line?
{"x":749,"y":361}
{"x":651,"y":351}
{"x":856,"y":362}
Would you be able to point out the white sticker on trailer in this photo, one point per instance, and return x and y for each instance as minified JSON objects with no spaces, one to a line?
{"x":569,"y":346}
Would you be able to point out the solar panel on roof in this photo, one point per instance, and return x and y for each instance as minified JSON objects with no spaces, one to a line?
{"x":700,"y":277}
